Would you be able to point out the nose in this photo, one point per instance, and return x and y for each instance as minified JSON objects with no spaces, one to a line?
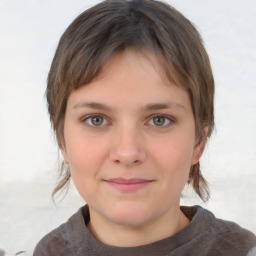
{"x":127,"y":147}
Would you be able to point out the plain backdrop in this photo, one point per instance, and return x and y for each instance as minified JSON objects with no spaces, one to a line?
{"x":29,"y":33}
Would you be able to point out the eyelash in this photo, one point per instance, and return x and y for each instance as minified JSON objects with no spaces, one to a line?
{"x":169,"y":119}
{"x":89,"y":117}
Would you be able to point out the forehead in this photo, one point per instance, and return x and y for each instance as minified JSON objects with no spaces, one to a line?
{"x":131,"y":79}
{"x":148,"y":61}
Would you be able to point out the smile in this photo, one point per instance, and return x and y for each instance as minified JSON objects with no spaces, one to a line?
{"x":130,"y":185}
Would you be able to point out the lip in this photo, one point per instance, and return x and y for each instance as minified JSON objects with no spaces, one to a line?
{"x":128,"y":185}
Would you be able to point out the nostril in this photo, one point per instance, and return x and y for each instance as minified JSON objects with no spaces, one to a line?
{"x":127,"y":162}
{"x":127,"y":152}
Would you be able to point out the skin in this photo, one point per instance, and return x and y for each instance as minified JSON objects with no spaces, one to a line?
{"x":144,"y":129}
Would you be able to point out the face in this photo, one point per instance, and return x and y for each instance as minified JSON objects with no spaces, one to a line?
{"x":130,"y":141}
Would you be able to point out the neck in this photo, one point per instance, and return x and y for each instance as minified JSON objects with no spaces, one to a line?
{"x":130,"y":236}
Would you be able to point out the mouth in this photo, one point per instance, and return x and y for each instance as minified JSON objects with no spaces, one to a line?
{"x":128,"y":185}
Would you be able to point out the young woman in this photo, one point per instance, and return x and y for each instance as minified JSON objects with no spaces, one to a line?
{"x":130,"y":95}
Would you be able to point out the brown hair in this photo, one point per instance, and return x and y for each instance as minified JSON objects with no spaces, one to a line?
{"x":113,"y":25}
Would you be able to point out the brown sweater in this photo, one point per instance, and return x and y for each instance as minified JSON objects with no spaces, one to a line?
{"x":205,"y":236}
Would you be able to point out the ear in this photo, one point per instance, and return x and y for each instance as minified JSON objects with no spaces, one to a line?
{"x":64,"y":153}
{"x":199,"y":147}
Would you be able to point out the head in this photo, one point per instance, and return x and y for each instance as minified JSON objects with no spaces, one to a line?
{"x":113,"y":26}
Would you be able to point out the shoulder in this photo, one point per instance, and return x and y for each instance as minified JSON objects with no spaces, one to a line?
{"x":59,"y":240}
{"x":231,"y":232}
{"x":54,"y":243}
{"x":227,"y":234}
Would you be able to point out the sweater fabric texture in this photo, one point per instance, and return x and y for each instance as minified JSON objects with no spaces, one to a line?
{"x":204,"y":236}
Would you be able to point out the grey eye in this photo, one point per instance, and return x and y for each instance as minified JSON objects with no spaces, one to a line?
{"x":96,"y":121}
{"x":160,"y":121}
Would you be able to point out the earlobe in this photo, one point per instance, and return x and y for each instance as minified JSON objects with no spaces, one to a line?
{"x":64,"y":154}
{"x":199,"y":147}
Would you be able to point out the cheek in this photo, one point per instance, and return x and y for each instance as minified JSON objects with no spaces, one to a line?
{"x":85,"y":155}
{"x":176,"y":162}
{"x":174,"y":155}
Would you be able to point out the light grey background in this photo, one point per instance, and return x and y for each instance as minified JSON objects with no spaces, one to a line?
{"x":29,"y":33}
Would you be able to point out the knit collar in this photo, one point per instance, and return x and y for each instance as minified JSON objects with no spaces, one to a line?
{"x":76,"y":233}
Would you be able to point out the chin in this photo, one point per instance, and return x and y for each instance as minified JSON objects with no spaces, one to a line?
{"x":130,"y":216}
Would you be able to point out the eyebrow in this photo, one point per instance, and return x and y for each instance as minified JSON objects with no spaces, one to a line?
{"x":148,"y":107}
{"x":93,"y":105}
{"x":157,"y":106}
